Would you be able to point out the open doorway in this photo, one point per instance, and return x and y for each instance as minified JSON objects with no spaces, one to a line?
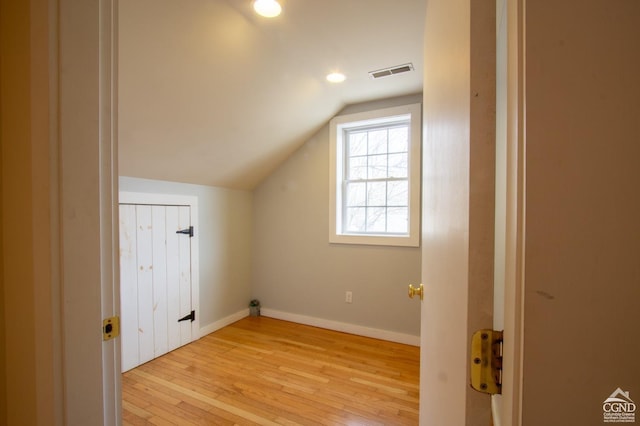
{"x":102,"y":300}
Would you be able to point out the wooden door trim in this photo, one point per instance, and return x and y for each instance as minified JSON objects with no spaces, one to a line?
{"x":511,"y":407}
{"x":86,"y":187}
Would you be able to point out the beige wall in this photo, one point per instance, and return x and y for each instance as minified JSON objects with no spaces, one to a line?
{"x":582,"y":229}
{"x":224,"y":218}
{"x":296,"y":270}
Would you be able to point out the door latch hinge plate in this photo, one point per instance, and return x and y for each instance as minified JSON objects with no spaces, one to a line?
{"x":110,"y":328}
{"x":486,"y":361}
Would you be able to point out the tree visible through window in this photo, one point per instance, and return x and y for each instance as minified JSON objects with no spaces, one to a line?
{"x":375,"y":177}
{"x":376,"y":196}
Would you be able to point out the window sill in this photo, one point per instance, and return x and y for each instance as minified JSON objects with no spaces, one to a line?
{"x":375,"y":240}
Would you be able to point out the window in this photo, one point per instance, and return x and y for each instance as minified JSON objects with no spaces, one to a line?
{"x":375,"y":177}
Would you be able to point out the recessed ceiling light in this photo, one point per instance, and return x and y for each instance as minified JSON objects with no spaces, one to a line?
{"x":336,"y":77}
{"x":267,"y":8}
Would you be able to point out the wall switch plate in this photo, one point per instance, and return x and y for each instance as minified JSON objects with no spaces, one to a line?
{"x":348,"y":297}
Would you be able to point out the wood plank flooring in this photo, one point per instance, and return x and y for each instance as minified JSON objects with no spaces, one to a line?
{"x":269,"y":372}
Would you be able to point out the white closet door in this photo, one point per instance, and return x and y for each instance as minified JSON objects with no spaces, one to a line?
{"x":128,"y":287}
{"x":184,"y":270}
{"x":155,"y":281}
{"x":160,"y":299}
{"x":179,"y":275}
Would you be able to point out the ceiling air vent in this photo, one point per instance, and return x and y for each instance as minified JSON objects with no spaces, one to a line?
{"x":398,"y":69}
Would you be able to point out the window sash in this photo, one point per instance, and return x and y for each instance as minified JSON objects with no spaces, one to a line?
{"x":366,"y":207}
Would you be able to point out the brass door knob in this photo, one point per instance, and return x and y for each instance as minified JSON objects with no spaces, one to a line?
{"x":416,"y":290}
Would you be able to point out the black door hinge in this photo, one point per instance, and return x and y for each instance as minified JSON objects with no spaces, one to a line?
{"x":191,"y":316}
{"x":188,"y":231}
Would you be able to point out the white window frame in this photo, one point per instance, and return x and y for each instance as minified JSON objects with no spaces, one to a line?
{"x":338,"y":125}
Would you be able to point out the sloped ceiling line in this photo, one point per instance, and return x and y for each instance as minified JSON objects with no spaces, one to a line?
{"x":212,"y":94}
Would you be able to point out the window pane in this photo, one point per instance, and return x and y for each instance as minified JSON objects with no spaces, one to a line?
{"x":357,"y":143}
{"x":377,"y":167}
{"x":398,"y":165}
{"x":376,"y":219}
{"x":398,"y":220}
{"x":356,"y":219}
{"x":377,"y":194}
{"x":356,"y":194}
{"x":398,"y":193}
{"x":378,"y":142}
{"x":399,"y":139}
{"x":357,"y":168}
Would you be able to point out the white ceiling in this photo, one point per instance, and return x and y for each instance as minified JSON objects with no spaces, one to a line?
{"x":210,"y":93}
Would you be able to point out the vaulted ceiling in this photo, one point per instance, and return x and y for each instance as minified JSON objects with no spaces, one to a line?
{"x":211,"y":93}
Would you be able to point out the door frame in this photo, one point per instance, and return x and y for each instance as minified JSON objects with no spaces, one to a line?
{"x":157,"y":199}
{"x":85,"y":28}
{"x":512,"y":380}
{"x":507,"y":407}
{"x":84,"y":192}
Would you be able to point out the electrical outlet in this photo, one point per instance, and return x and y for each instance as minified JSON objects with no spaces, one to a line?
{"x":348,"y":297}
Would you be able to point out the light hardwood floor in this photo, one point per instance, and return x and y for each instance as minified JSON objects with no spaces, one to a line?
{"x":270,"y":372}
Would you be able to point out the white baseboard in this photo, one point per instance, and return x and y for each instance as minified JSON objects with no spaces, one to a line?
{"x":210,"y":328}
{"x":392,"y":336}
